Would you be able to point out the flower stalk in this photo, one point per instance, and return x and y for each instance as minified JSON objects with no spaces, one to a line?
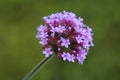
{"x":37,"y":68}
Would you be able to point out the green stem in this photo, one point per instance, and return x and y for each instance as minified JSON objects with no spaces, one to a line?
{"x":37,"y":68}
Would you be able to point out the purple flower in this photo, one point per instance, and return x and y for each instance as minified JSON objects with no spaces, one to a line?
{"x":79,"y":39}
{"x":47,"y":52}
{"x":65,"y":42}
{"x":71,"y":58}
{"x":43,"y":35}
{"x":81,"y":56}
{"x":41,"y":28}
{"x":68,"y":56}
{"x":65,"y":35}
{"x":65,"y":56}
{"x":60,"y":29}
{"x":44,"y":41}
{"x":53,"y":30}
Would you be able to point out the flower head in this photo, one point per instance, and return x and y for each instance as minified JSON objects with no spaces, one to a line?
{"x":65,"y":35}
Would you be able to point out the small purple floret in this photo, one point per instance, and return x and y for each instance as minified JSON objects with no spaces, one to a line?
{"x":47,"y":52}
{"x":65,"y":42}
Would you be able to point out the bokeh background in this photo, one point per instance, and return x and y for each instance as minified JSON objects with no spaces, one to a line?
{"x":20,"y":51}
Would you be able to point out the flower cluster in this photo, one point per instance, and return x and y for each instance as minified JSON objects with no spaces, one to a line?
{"x":65,"y":35}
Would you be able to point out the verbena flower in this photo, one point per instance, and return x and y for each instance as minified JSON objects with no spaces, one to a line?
{"x":47,"y":52}
{"x":66,"y":36}
{"x":65,"y":42}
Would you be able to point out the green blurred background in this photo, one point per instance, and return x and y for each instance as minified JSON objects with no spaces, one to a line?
{"x":20,"y":51}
